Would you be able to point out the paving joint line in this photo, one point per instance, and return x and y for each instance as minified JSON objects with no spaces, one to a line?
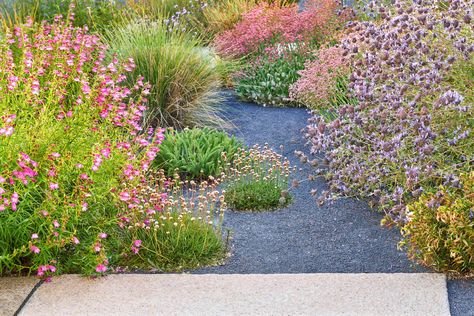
{"x":27,"y":298}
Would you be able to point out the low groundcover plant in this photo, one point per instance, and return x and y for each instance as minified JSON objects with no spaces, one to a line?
{"x":257,"y":180}
{"x":177,"y":224}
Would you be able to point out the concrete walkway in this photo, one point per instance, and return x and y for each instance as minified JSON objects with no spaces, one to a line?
{"x":236,"y":294}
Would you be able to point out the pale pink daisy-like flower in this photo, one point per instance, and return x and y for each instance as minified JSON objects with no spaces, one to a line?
{"x":56,"y":224}
{"x":102,"y":235}
{"x":75,"y":240}
{"x":34,"y":236}
{"x":53,"y":186}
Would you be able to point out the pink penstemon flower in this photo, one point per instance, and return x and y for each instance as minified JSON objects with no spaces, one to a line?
{"x":101,"y":268}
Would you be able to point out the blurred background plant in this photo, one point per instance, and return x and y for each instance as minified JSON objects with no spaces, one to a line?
{"x":97,"y":15}
{"x":257,"y":180}
{"x":196,"y":153}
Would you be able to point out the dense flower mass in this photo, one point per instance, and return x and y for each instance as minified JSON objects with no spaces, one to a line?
{"x":267,"y":22}
{"x":70,"y":136}
{"x":318,"y":80}
{"x":412,"y":128}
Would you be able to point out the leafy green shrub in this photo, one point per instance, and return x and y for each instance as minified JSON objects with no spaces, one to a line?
{"x":257,"y":180}
{"x":183,"y":76}
{"x":267,"y":79}
{"x":440,"y":228}
{"x":185,"y":233}
{"x":196,"y":153}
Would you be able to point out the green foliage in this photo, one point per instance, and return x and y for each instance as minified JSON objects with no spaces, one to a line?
{"x":60,"y":153}
{"x":440,"y":228}
{"x":257,"y":180}
{"x":186,"y":231}
{"x":196,"y":153}
{"x":256,"y":195}
{"x":267,"y":80}
{"x":97,"y":15}
{"x":169,"y":247}
{"x":183,"y":75}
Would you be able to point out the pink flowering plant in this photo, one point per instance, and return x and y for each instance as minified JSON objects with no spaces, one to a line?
{"x":70,"y":139}
{"x":272,"y":23}
{"x":323,"y":81}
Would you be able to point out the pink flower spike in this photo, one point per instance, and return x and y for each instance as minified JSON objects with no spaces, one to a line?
{"x":75,"y":240}
{"x":56,"y":224}
{"x":137,"y":243}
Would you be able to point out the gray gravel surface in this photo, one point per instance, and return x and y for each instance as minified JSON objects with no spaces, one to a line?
{"x":344,"y":237}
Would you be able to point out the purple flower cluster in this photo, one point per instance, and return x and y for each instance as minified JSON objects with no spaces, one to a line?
{"x":412,"y":128}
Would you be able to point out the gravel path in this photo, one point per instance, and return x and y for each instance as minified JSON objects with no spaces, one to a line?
{"x":304,"y":237}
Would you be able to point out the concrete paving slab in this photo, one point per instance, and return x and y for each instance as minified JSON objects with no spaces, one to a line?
{"x":237,"y":294}
{"x":13,"y":291}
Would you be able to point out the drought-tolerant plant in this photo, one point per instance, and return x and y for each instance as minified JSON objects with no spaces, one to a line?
{"x":196,"y":153}
{"x":223,"y":15}
{"x":70,"y":138}
{"x":97,"y":15}
{"x":440,"y":228}
{"x":411,"y":130}
{"x":182,"y":229}
{"x":182,"y":74}
{"x":257,"y":180}
{"x":271,"y":23}
{"x":267,"y":79}
{"x":323,"y":81}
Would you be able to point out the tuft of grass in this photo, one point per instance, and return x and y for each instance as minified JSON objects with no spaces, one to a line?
{"x":177,"y":242}
{"x":183,"y":75}
{"x":183,"y":232}
{"x":257,"y":196}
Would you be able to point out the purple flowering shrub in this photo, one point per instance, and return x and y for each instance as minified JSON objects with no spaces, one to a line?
{"x":70,"y":141}
{"x":411,"y":130}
